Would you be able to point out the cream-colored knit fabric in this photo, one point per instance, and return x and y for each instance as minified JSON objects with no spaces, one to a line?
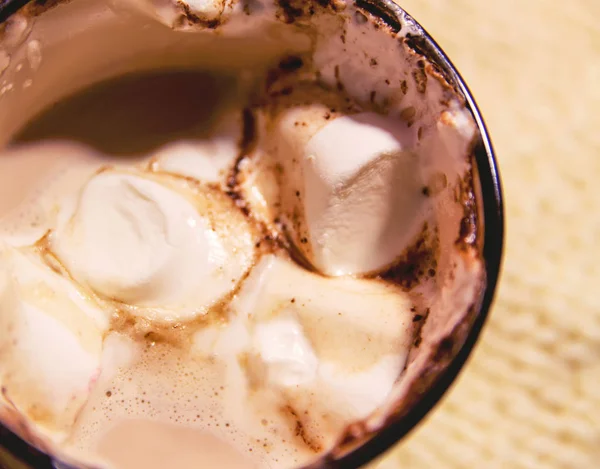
{"x":530,"y":396}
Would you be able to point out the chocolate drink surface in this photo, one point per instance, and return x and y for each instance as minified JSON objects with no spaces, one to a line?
{"x":235,"y":237}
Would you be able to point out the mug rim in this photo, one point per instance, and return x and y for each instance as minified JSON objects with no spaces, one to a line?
{"x":492,"y":253}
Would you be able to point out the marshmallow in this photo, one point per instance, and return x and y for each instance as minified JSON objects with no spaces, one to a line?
{"x":352,"y":190}
{"x":208,"y":161}
{"x":286,"y":352}
{"x":51,"y":341}
{"x":321,"y":339}
{"x":134,"y":240}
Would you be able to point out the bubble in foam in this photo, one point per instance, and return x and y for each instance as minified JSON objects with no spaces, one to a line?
{"x":183,"y":404}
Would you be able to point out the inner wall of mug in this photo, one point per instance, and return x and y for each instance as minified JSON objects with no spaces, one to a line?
{"x":76,"y":44}
{"x":83,"y":42}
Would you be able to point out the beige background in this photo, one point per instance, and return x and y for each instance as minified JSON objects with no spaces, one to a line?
{"x":530,"y":396}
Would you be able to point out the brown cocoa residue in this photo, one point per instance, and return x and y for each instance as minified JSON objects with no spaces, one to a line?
{"x":178,"y":335}
{"x":420,"y":77}
{"x":418,"y":263}
{"x":150,"y":332}
{"x":246,"y":145}
{"x":419,"y":320}
{"x":469,"y":232}
{"x":434,"y":65}
{"x":290,"y":11}
{"x":287,"y":67}
{"x":404,"y":87}
{"x":300,"y":430}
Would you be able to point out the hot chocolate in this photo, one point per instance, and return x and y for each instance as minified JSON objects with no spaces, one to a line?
{"x":226,"y":258}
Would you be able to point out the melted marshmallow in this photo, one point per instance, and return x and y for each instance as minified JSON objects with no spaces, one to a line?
{"x":142,"y":243}
{"x":321,"y":340}
{"x":51,"y":341}
{"x":208,"y":161}
{"x":286,"y":352}
{"x":359,"y":188}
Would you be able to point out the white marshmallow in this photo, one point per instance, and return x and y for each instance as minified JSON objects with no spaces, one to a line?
{"x":51,"y":341}
{"x":208,"y":161}
{"x":224,"y":342}
{"x":355,"y":392}
{"x":321,"y":339}
{"x":285,"y":351}
{"x":142,"y":243}
{"x":359,"y":200}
